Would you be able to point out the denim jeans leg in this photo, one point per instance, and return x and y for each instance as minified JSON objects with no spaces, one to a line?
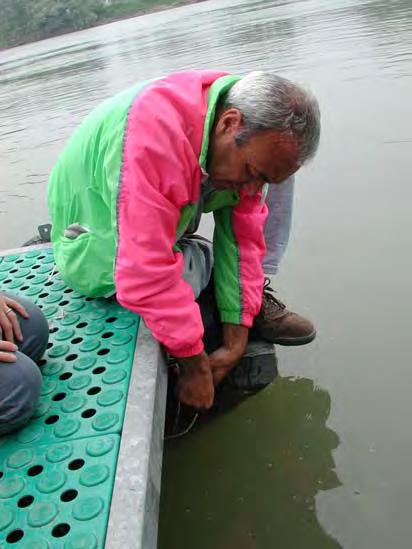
{"x":20,"y":381}
{"x":20,"y":384}
{"x":277,"y":228}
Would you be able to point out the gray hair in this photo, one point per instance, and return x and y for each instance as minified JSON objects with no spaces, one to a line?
{"x":269,"y":102}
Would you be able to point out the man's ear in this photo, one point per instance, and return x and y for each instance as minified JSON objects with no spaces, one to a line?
{"x":230,"y":122}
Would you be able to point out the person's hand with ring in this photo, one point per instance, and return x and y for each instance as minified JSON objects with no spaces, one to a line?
{"x":10,"y":330}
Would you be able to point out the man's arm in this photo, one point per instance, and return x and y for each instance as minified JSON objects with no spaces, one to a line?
{"x":156,"y":179}
{"x":235,"y":338}
{"x":195,"y":385}
{"x":239,"y":248}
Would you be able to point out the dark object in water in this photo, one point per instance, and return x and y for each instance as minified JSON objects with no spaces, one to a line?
{"x":258,"y":366}
{"x":255,"y":371}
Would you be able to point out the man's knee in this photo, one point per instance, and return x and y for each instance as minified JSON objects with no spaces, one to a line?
{"x":198,"y":261}
{"x":20,"y":384}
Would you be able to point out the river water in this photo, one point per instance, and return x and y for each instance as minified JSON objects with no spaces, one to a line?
{"x":322,"y":458}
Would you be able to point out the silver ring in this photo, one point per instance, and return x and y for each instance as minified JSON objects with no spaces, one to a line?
{"x":8,"y":311}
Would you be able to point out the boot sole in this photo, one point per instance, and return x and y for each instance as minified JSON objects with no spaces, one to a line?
{"x":294,"y":341}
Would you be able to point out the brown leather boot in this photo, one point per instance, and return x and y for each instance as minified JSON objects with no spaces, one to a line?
{"x":278,"y":325}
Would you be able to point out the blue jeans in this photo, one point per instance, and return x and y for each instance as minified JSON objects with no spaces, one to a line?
{"x":20,"y":381}
{"x":277,"y":228}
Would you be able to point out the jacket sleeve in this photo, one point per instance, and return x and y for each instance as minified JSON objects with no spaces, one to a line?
{"x":156,"y":175}
{"x":239,"y":248}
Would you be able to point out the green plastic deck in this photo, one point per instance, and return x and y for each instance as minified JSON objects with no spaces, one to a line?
{"x":57,"y":495}
{"x":70,"y":445}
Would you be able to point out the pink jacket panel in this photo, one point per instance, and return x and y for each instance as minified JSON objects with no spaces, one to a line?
{"x":248,"y":219}
{"x":160,"y":175}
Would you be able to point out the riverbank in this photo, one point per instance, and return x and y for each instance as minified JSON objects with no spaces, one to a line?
{"x":21,"y":25}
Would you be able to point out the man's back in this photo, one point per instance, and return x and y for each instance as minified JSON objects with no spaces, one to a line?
{"x":165,"y":118}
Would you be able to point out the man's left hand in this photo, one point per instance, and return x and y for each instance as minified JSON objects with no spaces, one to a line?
{"x":225,"y":358}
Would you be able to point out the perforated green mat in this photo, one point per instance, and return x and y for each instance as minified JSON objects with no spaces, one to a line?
{"x":57,"y":473}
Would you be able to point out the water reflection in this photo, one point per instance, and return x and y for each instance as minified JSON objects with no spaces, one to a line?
{"x":249,"y":478}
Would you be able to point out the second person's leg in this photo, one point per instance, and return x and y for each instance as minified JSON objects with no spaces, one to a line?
{"x":275,"y":323}
{"x":20,"y":384}
{"x":35,"y":329}
{"x":20,"y":381}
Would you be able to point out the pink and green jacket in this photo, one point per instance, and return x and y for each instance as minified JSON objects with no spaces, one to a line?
{"x":131,"y":175}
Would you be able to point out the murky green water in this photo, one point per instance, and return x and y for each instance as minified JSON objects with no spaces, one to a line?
{"x":322,"y":458}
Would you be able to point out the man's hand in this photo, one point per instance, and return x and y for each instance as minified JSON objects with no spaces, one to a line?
{"x":9,"y":323}
{"x":195,"y":385}
{"x":225,"y":358}
{"x":7,"y":351}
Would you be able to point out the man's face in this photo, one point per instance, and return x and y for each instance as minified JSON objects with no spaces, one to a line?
{"x":267,"y":157}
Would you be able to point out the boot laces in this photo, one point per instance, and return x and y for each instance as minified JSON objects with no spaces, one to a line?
{"x":271,"y":300}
